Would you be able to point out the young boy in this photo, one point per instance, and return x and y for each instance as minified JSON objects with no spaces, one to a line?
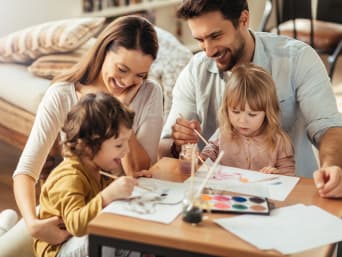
{"x":97,"y":130}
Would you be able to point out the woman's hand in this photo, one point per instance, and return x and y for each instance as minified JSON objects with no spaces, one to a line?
{"x":50,"y":230}
{"x":143,"y":173}
{"x":127,"y":96}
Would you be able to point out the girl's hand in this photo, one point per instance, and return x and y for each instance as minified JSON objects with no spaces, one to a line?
{"x":269,"y":170}
{"x":121,"y":188}
{"x":50,"y":230}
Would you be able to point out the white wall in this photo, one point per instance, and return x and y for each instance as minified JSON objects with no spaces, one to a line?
{"x":19,"y":14}
{"x":256,"y":10}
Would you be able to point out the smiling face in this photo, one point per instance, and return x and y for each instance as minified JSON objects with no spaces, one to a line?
{"x":219,"y":38}
{"x":112,"y":150}
{"x":246,"y":122}
{"x":123,"y":69}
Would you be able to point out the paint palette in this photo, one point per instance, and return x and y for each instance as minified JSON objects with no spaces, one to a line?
{"x":235,"y":204}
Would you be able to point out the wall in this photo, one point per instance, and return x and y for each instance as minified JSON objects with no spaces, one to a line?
{"x":19,"y":14}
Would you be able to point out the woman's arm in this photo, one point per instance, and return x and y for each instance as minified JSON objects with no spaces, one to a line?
{"x":136,"y":159}
{"x":47,"y":229}
{"x":148,"y":122}
{"x":49,"y":119}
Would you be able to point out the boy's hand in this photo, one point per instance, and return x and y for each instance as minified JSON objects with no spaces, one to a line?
{"x":121,"y":188}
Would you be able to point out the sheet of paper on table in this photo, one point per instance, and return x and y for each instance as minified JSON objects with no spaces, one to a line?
{"x":273,"y":186}
{"x":288,"y":230}
{"x":162,"y":204}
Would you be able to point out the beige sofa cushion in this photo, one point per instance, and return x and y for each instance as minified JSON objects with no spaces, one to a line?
{"x":21,"y":88}
{"x":47,"y":38}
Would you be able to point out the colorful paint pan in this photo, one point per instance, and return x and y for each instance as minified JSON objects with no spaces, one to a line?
{"x":235,"y":204}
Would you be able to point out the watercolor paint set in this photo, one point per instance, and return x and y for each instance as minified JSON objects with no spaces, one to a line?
{"x":235,"y":204}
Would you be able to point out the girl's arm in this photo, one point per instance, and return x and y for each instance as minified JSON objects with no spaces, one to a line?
{"x":285,"y":162}
{"x":212,"y":149}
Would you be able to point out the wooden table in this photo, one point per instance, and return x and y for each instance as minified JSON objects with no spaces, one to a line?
{"x":183,"y":239}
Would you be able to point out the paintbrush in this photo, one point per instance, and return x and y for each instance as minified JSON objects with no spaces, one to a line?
{"x":201,"y":137}
{"x":203,"y":162}
{"x":196,"y":132}
{"x":193,"y":165}
{"x":209,"y":174}
{"x":116,"y":177}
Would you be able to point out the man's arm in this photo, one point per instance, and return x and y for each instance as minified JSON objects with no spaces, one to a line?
{"x":330,"y":148}
{"x":328,"y":178}
{"x":165,"y":145}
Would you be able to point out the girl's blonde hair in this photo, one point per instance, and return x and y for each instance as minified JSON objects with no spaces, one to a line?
{"x":252,"y":84}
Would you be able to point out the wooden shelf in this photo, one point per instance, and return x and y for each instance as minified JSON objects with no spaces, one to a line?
{"x":132,"y":8}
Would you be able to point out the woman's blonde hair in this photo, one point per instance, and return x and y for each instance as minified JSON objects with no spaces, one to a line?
{"x":252,"y":84}
{"x":131,"y":32}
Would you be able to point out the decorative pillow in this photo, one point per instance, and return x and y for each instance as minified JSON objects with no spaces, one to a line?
{"x":49,"y":66}
{"x":52,"y":37}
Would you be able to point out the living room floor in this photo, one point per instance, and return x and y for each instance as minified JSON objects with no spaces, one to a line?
{"x":10,"y":155}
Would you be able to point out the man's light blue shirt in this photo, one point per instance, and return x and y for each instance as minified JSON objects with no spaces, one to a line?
{"x":308,"y":105}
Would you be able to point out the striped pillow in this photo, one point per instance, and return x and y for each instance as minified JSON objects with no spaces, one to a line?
{"x":61,"y":36}
{"x":49,"y":66}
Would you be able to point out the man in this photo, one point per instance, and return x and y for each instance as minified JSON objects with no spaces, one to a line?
{"x":308,"y":106}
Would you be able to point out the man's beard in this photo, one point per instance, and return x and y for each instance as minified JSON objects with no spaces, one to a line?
{"x":234,"y":59}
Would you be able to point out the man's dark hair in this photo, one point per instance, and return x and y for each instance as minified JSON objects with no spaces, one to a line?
{"x":230,"y":9}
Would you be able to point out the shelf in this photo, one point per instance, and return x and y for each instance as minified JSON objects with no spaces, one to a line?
{"x":132,"y":8}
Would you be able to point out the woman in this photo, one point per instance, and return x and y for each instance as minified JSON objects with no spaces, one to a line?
{"x":118,"y":64}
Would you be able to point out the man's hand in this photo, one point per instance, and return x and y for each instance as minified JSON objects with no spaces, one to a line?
{"x":183,"y":131}
{"x":328,"y":181}
{"x":50,"y":230}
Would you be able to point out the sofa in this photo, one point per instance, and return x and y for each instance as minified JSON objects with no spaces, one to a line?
{"x":26,"y":70}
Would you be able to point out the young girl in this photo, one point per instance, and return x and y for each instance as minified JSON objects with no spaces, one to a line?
{"x":97,"y":131}
{"x":249,"y":125}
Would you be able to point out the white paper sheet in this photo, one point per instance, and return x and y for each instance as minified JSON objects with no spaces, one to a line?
{"x":288,"y":230}
{"x":273,"y":186}
{"x":163,"y":209}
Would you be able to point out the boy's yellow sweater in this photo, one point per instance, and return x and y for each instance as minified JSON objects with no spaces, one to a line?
{"x":73,"y":194}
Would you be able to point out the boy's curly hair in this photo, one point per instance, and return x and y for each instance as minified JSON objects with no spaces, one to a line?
{"x":94,"y":119}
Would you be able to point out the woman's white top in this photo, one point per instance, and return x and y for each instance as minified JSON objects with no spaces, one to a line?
{"x":58,"y":101}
